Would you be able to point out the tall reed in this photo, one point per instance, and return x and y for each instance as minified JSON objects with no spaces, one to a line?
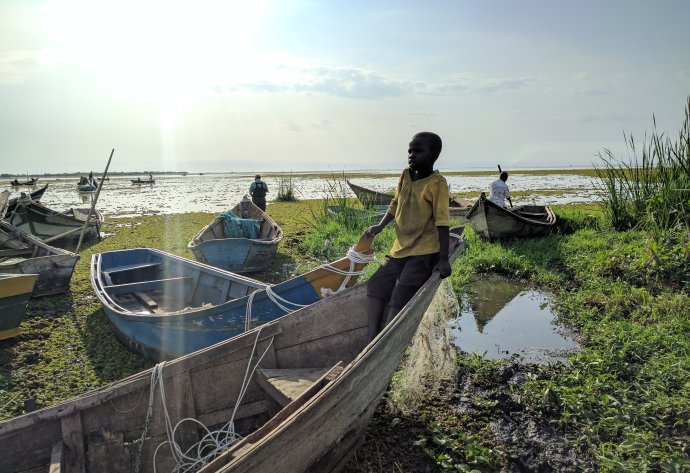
{"x":286,"y":190}
{"x":652,"y":191}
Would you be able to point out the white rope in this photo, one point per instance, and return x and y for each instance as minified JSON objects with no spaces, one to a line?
{"x":211,"y":444}
{"x":289,"y":306}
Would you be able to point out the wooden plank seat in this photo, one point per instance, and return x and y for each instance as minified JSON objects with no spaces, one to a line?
{"x":534,"y":215}
{"x":265,"y":377}
{"x":286,"y":385}
{"x":118,"y":289}
{"x":132,"y":267}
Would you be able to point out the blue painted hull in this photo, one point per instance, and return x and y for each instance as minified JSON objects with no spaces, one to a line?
{"x":163,"y":306}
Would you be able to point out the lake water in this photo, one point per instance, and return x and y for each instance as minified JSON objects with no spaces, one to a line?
{"x":218,"y":192}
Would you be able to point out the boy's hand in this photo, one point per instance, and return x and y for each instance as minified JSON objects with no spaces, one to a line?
{"x":443,"y":268}
{"x":372,"y":231}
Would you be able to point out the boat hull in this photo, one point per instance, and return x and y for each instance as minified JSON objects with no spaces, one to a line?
{"x":493,"y":222}
{"x":21,"y":253}
{"x":238,"y":255}
{"x":15,"y":291}
{"x":314,"y":429}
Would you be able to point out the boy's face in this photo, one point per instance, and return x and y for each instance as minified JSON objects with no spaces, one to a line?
{"x":419,"y":155}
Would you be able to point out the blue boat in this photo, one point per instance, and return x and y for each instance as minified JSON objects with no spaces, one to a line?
{"x":244,"y":239}
{"x":164,"y":306}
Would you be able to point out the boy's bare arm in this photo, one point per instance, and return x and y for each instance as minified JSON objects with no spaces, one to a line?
{"x":374,"y":230}
{"x":443,"y":265}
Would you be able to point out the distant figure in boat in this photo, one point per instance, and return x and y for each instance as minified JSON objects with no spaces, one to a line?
{"x":498,"y":191}
{"x":258,"y":191}
{"x":422,"y":221}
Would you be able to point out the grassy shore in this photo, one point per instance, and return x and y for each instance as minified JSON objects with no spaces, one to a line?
{"x":620,"y":404}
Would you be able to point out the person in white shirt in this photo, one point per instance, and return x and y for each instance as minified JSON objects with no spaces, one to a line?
{"x":498,"y":191}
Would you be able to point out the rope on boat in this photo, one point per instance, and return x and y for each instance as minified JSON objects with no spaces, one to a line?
{"x":289,"y":306}
{"x":212,"y":444}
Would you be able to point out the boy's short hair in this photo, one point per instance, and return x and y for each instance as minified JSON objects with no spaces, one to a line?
{"x":435,"y":143}
{"x":503,"y":176}
{"x":258,"y":176}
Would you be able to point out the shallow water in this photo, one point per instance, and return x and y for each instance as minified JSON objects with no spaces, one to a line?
{"x":501,"y":318}
{"x":218,"y":192}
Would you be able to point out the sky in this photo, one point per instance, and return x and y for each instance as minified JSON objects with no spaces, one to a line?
{"x":297,"y":85}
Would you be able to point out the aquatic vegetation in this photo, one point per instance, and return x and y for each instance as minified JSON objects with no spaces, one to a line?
{"x":286,"y":189}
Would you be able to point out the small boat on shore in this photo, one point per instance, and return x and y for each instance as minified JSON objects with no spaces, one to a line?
{"x":494,"y":222}
{"x":60,"y":229}
{"x":21,"y":253}
{"x":164,"y":306}
{"x":15,"y":290}
{"x":86,"y":188}
{"x":294,"y":395}
{"x":243,"y":239}
{"x":35,"y":197}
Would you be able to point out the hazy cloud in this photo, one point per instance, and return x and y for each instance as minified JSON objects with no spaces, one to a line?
{"x":17,"y":66}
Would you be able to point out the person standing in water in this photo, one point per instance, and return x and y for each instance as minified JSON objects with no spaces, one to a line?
{"x":258,"y":190}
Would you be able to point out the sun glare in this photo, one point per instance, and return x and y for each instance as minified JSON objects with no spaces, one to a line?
{"x":158,"y":50}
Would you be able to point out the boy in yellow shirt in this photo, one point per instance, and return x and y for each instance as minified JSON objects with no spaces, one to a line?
{"x":422,"y":220}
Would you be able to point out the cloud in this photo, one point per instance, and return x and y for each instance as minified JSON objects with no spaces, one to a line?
{"x":350,"y":82}
{"x":17,"y":66}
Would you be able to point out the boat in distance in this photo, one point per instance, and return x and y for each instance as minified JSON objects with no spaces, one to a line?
{"x":22,"y":253}
{"x":163,"y":306}
{"x":294,"y":395}
{"x":30,"y":182}
{"x":15,"y":291}
{"x":244,"y":239}
{"x":61,"y":229}
{"x":494,"y":222}
{"x":146,"y":181}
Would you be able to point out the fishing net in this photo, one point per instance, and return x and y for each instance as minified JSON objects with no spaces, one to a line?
{"x":236,"y":227}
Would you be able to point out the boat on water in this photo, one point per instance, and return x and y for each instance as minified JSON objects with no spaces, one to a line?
{"x":163,"y":306}
{"x":61,"y":229}
{"x":143,"y":181}
{"x":21,"y":253}
{"x":30,"y":182}
{"x":243,"y":239}
{"x":86,"y":188}
{"x":293,"y":395}
{"x":494,"y":222}
{"x":15,"y":291}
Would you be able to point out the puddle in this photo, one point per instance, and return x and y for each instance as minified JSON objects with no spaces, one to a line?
{"x":501,"y":318}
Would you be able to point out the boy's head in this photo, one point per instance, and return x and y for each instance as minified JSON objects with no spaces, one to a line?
{"x":257,"y":177}
{"x":423,"y":151}
{"x":503,"y":176}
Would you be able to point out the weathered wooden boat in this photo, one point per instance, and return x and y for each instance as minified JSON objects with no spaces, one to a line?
{"x":370,"y":198}
{"x":30,"y":182}
{"x":21,"y":253}
{"x":244,"y":239}
{"x":164,"y":306}
{"x":294,"y":395}
{"x":61,"y":229}
{"x":493,"y":222}
{"x":86,"y":188}
{"x":35,"y":197}
{"x":355,"y":216}
{"x":146,"y":181}
{"x":15,"y":290}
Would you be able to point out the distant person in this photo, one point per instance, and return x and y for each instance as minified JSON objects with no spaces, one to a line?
{"x":15,"y":182}
{"x":498,"y":191}
{"x":258,"y":191}
{"x":91,"y":180}
{"x":150,"y":177}
{"x":422,"y":220}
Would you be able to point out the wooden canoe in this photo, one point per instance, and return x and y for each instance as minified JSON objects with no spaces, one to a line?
{"x":164,"y":306}
{"x":493,"y":222}
{"x":15,"y":290}
{"x":30,"y":182}
{"x":86,"y":188}
{"x":245,"y":247}
{"x":370,"y":198}
{"x":61,"y":229}
{"x":35,"y":197}
{"x":147,"y":181}
{"x":304,"y":409}
{"x":21,"y":253}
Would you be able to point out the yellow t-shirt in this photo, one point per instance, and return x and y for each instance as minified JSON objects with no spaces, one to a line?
{"x":419,"y":207}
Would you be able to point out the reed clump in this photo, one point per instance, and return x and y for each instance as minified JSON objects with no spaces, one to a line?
{"x":287,"y":192}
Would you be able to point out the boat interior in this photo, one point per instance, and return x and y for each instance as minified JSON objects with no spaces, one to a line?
{"x":534,"y":212}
